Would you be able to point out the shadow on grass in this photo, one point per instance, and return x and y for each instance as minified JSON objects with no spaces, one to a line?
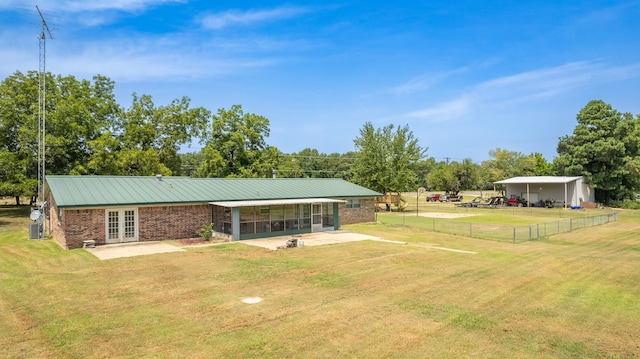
{"x":14,"y":212}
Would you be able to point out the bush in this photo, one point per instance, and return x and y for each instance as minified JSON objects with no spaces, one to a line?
{"x":627,"y":204}
{"x":206,"y":232}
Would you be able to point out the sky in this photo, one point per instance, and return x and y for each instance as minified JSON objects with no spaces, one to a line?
{"x":466,"y":77}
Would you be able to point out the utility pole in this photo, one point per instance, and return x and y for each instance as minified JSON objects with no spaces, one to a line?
{"x":38,"y":214}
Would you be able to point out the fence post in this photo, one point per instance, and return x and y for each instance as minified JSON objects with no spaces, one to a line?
{"x":529,"y":232}
{"x":570,"y":224}
{"x":538,"y":231}
{"x":514,"y":234}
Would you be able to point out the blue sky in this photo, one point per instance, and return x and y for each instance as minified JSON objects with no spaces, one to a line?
{"x":465,"y":76}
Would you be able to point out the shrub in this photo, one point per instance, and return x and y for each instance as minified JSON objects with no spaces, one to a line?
{"x":206,"y":232}
{"x":627,"y":204}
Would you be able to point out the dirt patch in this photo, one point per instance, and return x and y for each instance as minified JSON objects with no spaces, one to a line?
{"x":446,"y":215}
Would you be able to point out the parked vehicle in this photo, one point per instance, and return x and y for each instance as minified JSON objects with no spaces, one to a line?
{"x":517,"y":201}
{"x":450,"y":197}
{"x":434,"y":197}
{"x":476,"y":202}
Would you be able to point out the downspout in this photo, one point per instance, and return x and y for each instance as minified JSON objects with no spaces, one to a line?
{"x":528,"y":197}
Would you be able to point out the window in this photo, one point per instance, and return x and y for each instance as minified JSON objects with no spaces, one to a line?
{"x":353,"y":203}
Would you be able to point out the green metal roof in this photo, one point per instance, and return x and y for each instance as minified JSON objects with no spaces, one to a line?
{"x":97,"y":191}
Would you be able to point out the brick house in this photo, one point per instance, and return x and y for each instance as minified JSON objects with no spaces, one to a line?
{"x":117,"y":209}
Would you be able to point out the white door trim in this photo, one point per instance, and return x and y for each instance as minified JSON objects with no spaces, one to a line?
{"x":121,"y":225}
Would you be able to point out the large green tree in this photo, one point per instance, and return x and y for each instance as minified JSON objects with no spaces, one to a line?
{"x":311,"y":163}
{"x":236,"y":146}
{"x":604,"y":147}
{"x":77,"y":112}
{"x":387,"y":158}
{"x":145,"y":139}
{"x":455,"y":176}
{"x":506,"y":164}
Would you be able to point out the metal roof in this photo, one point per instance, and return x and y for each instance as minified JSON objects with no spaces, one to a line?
{"x":538,"y":180}
{"x":269,"y":202}
{"x":97,"y":191}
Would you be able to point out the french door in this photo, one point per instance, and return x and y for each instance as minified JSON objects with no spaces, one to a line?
{"x":122,"y":225}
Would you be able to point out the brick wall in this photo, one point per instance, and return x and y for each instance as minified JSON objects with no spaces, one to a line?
{"x":55,"y":224}
{"x":154,"y":224}
{"x":172,"y":222}
{"x":366,"y":212}
{"x":82,"y":224}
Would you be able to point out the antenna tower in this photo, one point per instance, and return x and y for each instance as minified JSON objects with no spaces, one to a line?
{"x":39,"y":213}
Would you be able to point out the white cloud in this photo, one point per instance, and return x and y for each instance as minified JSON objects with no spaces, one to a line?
{"x":250,"y":17}
{"x":425,"y":81}
{"x":166,"y":59}
{"x":445,"y":111}
{"x":84,"y":5}
{"x":507,"y":91}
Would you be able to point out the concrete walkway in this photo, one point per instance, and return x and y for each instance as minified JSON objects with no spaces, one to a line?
{"x":112,"y":251}
{"x":315,"y":239}
{"x":120,"y":250}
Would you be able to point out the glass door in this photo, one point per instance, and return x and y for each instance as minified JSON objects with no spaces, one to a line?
{"x":121,"y":226}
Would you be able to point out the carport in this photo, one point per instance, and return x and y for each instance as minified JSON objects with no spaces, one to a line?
{"x":572,"y":190}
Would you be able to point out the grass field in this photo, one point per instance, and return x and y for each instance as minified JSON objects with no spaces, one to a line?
{"x":572,"y":295}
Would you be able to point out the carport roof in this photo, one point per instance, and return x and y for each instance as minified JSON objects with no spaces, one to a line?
{"x":100,"y":191}
{"x":538,"y":180}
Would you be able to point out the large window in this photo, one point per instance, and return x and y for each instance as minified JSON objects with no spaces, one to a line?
{"x":263,"y":219}
{"x":291,"y":215}
{"x":277,"y":218}
{"x":247,"y":220}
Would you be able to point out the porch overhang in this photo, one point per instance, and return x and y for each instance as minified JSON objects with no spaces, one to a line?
{"x":270,"y":202}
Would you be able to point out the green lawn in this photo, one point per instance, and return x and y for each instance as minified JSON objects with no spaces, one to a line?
{"x":572,"y":295}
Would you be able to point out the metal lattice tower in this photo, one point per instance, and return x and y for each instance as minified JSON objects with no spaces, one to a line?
{"x":42,"y":109}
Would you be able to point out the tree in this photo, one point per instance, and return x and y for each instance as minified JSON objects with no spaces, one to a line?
{"x":77,"y":112}
{"x":506,"y":164}
{"x":542,"y":167}
{"x":468,"y":174}
{"x":190,"y":162}
{"x":236,"y":146}
{"x":455,"y":176}
{"x":604,"y":147}
{"x":145,"y":139}
{"x":444,"y":178}
{"x":386,"y":159}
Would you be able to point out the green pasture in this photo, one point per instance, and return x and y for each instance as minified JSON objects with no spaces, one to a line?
{"x":573,"y":295}
{"x":497,"y":223}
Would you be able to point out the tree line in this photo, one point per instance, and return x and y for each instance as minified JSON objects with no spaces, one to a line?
{"x":89,"y":133}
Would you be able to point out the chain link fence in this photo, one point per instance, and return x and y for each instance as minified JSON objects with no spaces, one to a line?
{"x":501,"y":232}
